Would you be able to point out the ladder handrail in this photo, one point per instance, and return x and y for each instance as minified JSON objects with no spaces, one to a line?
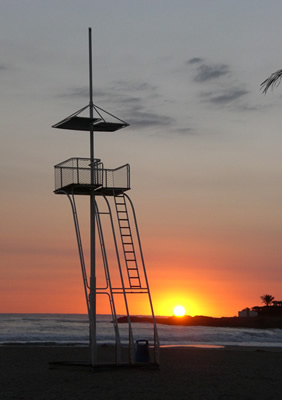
{"x":156,"y":336}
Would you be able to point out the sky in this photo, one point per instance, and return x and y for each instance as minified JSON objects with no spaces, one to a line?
{"x":204,"y":145}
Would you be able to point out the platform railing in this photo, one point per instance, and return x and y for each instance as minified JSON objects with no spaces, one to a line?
{"x":117,"y":178}
{"x":77,"y":171}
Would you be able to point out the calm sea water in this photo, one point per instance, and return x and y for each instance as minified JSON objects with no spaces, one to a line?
{"x":74,"y":329}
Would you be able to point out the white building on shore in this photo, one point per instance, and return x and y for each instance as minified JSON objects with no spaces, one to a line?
{"x":247,"y":313}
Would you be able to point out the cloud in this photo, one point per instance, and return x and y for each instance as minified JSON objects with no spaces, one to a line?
{"x":137,"y":96}
{"x":82,"y":91}
{"x":246,"y":107}
{"x":227,"y":91}
{"x":118,"y":91}
{"x":195,"y":60}
{"x":206,"y":72}
{"x":136,"y":86}
{"x":143,"y":119}
{"x":224,"y":97}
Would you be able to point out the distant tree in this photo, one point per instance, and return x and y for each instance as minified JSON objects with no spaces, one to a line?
{"x":272,"y":81}
{"x":267,"y":299}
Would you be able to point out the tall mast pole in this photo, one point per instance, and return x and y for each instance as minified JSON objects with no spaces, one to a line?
{"x":92,"y":294}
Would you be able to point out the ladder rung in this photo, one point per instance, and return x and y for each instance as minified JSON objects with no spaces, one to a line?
{"x":120,"y":204}
{"x":125,"y":235}
{"x":123,"y":219}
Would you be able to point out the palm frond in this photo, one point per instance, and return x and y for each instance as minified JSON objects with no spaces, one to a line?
{"x":272,"y":81}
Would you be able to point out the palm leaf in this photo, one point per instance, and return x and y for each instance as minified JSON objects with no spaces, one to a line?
{"x":272,"y":81}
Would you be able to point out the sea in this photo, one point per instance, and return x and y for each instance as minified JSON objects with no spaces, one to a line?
{"x":73,"y":329}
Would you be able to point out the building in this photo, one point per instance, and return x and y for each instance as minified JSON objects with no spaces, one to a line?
{"x":247,"y":313}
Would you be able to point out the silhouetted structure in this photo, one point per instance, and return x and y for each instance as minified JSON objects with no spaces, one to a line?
{"x":88,"y":177}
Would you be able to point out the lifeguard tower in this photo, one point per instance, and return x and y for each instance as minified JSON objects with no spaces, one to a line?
{"x":109,"y":205}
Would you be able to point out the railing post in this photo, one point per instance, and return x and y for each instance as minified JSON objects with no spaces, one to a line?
{"x":128,"y":176}
{"x":61,"y":175}
{"x":77,"y":170}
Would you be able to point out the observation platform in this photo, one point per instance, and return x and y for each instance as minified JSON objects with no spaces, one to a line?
{"x":84,"y":124}
{"x":78,"y":176}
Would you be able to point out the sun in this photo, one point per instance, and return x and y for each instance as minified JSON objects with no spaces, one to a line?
{"x":179,"y":311}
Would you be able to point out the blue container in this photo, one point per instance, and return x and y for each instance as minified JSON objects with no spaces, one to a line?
{"x":142,"y":351}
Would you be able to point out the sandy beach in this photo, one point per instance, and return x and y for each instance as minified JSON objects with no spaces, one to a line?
{"x":185,"y":373}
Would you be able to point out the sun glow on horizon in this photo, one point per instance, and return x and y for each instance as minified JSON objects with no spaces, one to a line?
{"x":179,"y":311}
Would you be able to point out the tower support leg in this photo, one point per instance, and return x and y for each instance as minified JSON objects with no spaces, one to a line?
{"x":92,"y":294}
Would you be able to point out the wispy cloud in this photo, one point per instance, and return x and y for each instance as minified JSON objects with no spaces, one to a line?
{"x":195,"y":60}
{"x":82,"y":91}
{"x":223,"y":97}
{"x":224,"y":89}
{"x":138,"y":97}
{"x":144,"y":119}
{"x":135,"y":86}
{"x":205,"y":72}
{"x":118,"y":91}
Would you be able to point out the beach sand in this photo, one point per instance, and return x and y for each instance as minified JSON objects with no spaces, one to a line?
{"x":185,"y":373}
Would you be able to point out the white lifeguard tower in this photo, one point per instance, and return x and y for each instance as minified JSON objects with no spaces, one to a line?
{"x":88,"y":177}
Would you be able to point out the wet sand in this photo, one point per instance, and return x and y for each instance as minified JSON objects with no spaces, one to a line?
{"x":185,"y":373}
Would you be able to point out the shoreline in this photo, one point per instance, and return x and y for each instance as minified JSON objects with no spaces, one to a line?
{"x":260,"y":322}
{"x":254,"y":347}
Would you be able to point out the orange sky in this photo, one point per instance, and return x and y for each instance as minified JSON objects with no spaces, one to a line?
{"x":208,"y":275}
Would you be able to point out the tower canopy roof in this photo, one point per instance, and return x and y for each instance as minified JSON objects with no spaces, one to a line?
{"x":78,"y":123}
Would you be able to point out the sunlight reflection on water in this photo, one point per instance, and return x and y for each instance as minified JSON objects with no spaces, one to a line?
{"x":200,"y":346}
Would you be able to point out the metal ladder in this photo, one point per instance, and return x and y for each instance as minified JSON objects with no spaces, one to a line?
{"x":127,"y":242}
